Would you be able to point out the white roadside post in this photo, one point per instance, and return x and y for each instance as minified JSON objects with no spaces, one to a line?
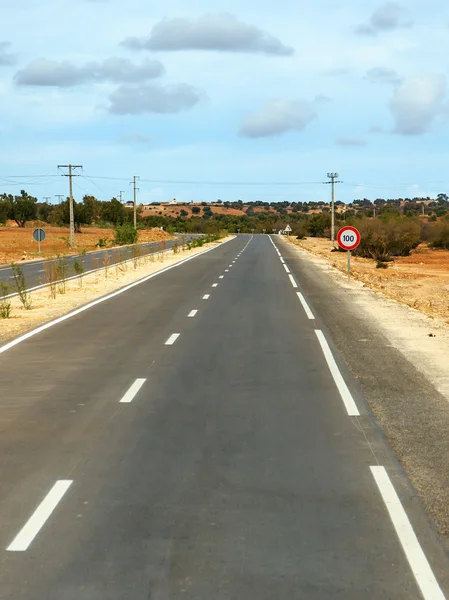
{"x":348,"y":238}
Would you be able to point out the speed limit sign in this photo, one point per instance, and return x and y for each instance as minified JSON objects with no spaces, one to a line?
{"x":348,"y":238}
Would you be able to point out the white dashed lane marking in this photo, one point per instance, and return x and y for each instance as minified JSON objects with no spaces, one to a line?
{"x":172,"y":339}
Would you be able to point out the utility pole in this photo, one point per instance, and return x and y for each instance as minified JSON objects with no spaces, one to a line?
{"x":333,"y":177}
{"x":70,"y":175}
{"x":59,"y":196}
{"x":135,"y":178}
{"x":46,"y":198}
{"x":121,"y":196}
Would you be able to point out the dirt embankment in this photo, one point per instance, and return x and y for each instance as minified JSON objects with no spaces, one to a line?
{"x":17,"y":244}
{"x":420,"y":280}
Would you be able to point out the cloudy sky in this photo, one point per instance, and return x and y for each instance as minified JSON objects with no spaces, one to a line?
{"x":231,"y":100}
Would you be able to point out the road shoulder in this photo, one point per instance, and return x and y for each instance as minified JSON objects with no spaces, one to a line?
{"x":399,"y":368}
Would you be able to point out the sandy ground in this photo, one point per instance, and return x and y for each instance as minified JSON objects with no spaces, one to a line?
{"x":45,"y":307}
{"x":17,"y":244}
{"x":420,"y":280}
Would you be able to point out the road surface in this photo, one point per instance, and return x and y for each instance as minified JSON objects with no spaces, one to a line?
{"x":196,"y":438}
{"x":34,"y":271}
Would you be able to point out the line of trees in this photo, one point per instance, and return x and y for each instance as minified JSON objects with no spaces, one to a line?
{"x":24,"y":208}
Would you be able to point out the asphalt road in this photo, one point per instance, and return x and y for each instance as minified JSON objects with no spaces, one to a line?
{"x":149,"y":454}
{"x":34,"y":271}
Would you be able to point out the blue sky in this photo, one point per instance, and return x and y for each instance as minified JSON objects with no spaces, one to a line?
{"x":230,"y":100}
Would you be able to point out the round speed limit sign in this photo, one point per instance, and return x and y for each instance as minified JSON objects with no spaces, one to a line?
{"x":348,"y":238}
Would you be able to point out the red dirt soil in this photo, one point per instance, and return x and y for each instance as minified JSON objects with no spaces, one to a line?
{"x":17,"y":244}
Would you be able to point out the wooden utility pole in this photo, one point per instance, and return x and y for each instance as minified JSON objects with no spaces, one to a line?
{"x":70,"y":175}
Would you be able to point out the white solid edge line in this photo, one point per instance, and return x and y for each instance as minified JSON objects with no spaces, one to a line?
{"x":122,"y":290}
{"x":345,"y":394}
{"x":131,"y":393}
{"x":206,"y":296}
{"x":292,"y":281}
{"x":73,"y":277}
{"x":417,"y":560}
{"x":172,"y":339}
{"x":282,"y":260}
{"x":38,"y":519}
{"x":286,"y":268}
{"x":192,"y":313}
{"x":305,"y":306}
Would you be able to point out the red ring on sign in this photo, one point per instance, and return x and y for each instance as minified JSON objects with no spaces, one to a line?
{"x":348,"y":244}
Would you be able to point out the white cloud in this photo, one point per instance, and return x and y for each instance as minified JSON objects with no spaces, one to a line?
{"x":383,"y":75}
{"x":417,"y":102}
{"x":388,"y":17}
{"x":146,"y":98}
{"x":350,"y":141}
{"x":277,"y":117}
{"x":44,"y":72}
{"x":221,"y":32}
{"x":6,"y":58}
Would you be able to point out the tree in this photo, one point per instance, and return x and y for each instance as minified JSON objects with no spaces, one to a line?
{"x":22,"y":208}
{"x":184,"y":213}
{"x":196,"y":210}
{"x":318,"y":224}
{"x":113,"y":212}
{"x":44,"y":211}
{"x":92,"y":209}
{"x":5,"y":208}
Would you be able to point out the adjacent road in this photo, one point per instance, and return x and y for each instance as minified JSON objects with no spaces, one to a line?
{"x":199,"y":437}
{"x":34,"y":271}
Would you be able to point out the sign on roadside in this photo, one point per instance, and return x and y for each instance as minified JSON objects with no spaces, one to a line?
{"x":348,"y":238}
{"x":39,"y":236}
{"x":288,"y":229}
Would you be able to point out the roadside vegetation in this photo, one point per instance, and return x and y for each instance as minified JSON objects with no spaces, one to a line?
{"x":389,"y":227}
{"x":56,"y":280}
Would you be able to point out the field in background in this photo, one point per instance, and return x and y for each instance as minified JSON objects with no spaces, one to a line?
{"x":17,"y":244}
{"x":420,"y":280}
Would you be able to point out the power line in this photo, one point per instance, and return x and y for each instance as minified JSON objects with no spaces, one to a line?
{"x":86,"y":176}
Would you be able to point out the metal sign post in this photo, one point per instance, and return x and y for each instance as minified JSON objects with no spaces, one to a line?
{"x":39,"y":236}
{"x":348,"y":238}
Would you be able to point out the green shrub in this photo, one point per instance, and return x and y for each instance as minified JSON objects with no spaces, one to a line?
{"x":102,"y":242}
{"x":125,"y":234}
{"x":5,"y":302}
{"x":383,"y":238}
{"x":319,"y":224}
{"x":21,"y":287}
{"x":439,"y":236}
